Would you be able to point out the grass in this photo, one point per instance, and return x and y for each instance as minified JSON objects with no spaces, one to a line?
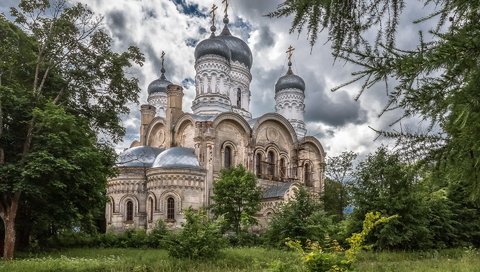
{"x":238,"y":259}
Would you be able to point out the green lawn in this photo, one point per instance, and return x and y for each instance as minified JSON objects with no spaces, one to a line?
{"x":251,"y":259}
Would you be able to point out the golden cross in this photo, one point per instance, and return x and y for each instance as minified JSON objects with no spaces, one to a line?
{"x":290,"y":53}
{"x":214,"y":7}
{"x":226,"y":6}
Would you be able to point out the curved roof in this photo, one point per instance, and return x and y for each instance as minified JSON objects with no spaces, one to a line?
{"x":289,"y":81}
{"x":177,"y":157}
{"x":159,"y":85}
{"x":140,"y":156}
{"x":214,"y":46}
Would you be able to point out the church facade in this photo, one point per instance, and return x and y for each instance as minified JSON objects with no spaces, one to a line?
{"x":178,"y":156}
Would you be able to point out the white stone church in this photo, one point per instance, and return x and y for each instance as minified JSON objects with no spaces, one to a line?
{"x":179,"y":155}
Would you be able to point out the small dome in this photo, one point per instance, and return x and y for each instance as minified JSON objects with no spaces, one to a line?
{"x":289,"y":81}
{"x":159,"y":85}
{"x":238,"y":48}
{"x":177,"y":157}
{"x":140,"y":156}
{"x":214,"y":46}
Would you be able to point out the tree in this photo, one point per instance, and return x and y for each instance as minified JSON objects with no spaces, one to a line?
{"x":59,"y":61}
{"x":236,"y":197}
{"x":339,"y":175}
{"x":437,"y":80}
{"x":386,"y":184}
{"x":301,"y":219}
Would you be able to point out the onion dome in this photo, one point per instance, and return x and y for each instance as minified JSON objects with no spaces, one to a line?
{"x":238,"y":48}
{"x":159,"y":85}
{"x":213,"y":46}
{"x":140,"y":156}
{"x":177,"y":157}
{"x":289,"y":81}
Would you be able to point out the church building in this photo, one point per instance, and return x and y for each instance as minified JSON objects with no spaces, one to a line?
{"x":178,"y":156}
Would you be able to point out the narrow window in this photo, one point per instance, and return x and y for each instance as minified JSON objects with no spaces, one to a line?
{"x":227,"y":160}
{"x":239,"y":98}
{"x":151,"y":209}
{"x":283,"y":168}
{"x":258,"y":165}
{"x":307,"y":175}
{"x":271,"y":163}
{"x":170,"y":208}
{"x":129,"y":210}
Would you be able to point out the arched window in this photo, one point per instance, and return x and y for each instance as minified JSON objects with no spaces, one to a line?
{"x":129,"y":210}
{"x":170,"y":208}
{"x":283,"y":168}
{"x":227,"y":160}
{"x":150,"y":217}
{"x":239,"y":98}
{"x":271,"y":163}
{"x":307,"y":175}
{"x":258,"y":165}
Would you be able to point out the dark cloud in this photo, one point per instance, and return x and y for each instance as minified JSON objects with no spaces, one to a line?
{"x":189,"y":8}
{"x":117,"y":23}
{"x":336,"y":109}
{"x":266,"y":38}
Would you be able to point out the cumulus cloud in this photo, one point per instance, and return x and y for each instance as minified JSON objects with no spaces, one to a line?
{"x":176,"y":26}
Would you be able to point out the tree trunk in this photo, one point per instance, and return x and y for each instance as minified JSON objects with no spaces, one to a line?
{"x":8,"y":215}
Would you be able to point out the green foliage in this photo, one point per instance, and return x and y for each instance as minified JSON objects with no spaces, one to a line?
{"x":331,"y":256}
{"x":236,"y":198}
{"x":302,"y":219}
{"x":434,"y":211}
{"x":200,"y":238}
{"x":436,"y":80}
{"x":60,"y":84}
{"x":339,"y":175}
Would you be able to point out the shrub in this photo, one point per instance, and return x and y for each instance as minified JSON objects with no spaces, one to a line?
{"x":156,"y":238}
{"x":299,"y":219}
{"x":200,"y":237}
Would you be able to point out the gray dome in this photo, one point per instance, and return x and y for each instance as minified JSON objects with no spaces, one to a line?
{"x":289,"y":81}
{"x":238,"y":48}
{"x":159,"y":85}
{"x":140,"y":156}
{"x":177,"y":157}
{"x":214,"y":46}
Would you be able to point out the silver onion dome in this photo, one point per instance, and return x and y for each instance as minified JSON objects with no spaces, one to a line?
{"x":140,"y":156}
{"x":159,"y":85}
{"x":177,"y":157}
{"x":289,"y":81}
{"x":212,"y":46}
{"x":238,"y":48}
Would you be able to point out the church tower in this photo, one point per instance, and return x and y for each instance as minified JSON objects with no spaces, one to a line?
{"x":222,"y":65}
{"x":290,"y":98}
{"x":157,"y":91}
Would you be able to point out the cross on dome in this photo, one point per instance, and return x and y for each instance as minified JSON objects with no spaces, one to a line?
{"x":213,"y":28}
{"x":290,"y":53}
{"x":163,"y":61}
{"x":226,"y":7}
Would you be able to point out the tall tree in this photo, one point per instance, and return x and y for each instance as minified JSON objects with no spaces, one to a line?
{"x":339,"y":175}
{"x":61,"y":57}
{"x":437,"y":80}
{"x":236,"y":197}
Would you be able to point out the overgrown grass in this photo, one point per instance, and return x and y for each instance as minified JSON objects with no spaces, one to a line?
{"x":236,"y":259}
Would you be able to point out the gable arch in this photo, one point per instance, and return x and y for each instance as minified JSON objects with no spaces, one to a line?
{"x":184,"y":139}
{"x":275,"y":117}
{"x":235,"y":117}
{"x":156,"y":128}
{"x":316,"y":143}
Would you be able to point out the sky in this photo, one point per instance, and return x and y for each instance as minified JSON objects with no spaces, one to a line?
{"x":176,"y":26}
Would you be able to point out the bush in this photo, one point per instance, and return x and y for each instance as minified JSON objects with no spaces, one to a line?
{"x":302,"y":219}
{"x":200,"y":237}
{"x":244,"y":239}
